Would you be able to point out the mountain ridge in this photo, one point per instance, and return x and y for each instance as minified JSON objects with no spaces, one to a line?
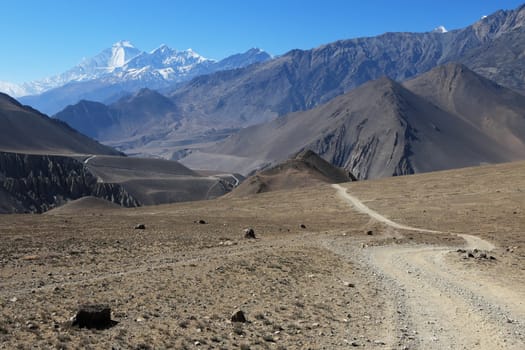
{"x":123,"y":68}
{"x":24,"y":129}
{"x":379,"y":129}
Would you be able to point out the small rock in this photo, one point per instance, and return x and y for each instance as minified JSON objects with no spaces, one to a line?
{"x":13,"y":299}
{"x":370,"y":232}
{"x":303,"y":226}
{"x":268,"y":338}
{"x":238,"y":316}
{"x":31,"y":325}
{"x":202,"y":222}
{"x":140,"y":227}
{"x":140,"y":319}
{"x":348,"y":284}
{"x":354,"y":343}
{"x":249,"y":233}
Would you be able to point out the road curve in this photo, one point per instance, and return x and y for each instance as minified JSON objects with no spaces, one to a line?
{"x":441,"y":306}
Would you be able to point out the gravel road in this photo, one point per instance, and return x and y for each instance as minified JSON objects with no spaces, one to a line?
{"x":439,"y":305}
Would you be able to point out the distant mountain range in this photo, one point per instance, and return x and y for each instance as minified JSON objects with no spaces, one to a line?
{"x":394,"y":104}
{"x":447,"y":118}
{"x":120,"y":70}
{"x":45,"y":163}
{"x":213,"y":106}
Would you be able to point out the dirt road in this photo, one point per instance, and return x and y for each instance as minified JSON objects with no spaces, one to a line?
{"x":440,"y":305}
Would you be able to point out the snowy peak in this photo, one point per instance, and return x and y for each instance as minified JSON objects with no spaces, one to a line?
{"x":121,"y":53}
{"x":124,"y":64}
{"x":440,"y":29}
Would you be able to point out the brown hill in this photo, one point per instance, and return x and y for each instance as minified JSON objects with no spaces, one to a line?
{"x":87,"y":204}
{"x":496,"y":111}
{"x":306,"y":169}
{"x":23,"y":129}
{"x":383,"y":129}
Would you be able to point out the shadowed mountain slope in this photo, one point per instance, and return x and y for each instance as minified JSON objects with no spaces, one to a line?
{"x":383,"y":129}
{"x":496,"y":111}
{"x":23,"y":129}
{"x":147,"y":109}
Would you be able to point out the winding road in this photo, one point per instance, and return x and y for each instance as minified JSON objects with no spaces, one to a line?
{"x":440,"y":305}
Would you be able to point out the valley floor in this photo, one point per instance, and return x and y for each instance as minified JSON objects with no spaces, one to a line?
{"x":377,"y":268}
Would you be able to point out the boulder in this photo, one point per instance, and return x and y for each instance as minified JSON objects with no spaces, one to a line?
{"x":249,"y":233}
{"x":238,"y":316}
{"x":96,"y":316}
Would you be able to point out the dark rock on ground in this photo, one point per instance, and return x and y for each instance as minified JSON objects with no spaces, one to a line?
{"x":238,"y":316}
{"x":140,"y":227}
{"x":249,"y":233}
{"x":93,"y":316}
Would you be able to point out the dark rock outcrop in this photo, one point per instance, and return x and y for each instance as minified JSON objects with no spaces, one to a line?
{"x":37,"y":183}
{"x":93,"y":317}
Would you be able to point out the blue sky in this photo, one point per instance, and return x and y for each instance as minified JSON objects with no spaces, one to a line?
{"x":45,"y":37}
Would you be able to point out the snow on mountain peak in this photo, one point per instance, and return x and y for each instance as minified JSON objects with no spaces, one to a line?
{"x":121,"y":53}
{"x":124,"y":43}
{"x":124,"y":62}
{"x":440,"y":29}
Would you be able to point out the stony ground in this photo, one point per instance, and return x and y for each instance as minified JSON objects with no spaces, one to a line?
{"x":341,"y":280}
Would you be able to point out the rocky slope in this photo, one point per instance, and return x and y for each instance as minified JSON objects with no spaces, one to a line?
{"x":382,"y":129}
{"x":146,"y":109}
{"x":212,"y":106}
{"x":300,"y":80}
{"x":37,"y":183}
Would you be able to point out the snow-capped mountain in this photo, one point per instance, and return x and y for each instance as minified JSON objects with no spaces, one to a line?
{"x":164,"y":64}
{"x":92,"y":68}
{"x":123,"y":63}
{"x":12,"y":89}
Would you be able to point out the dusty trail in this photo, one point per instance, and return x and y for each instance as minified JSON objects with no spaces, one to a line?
{"x":439,"y":306}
